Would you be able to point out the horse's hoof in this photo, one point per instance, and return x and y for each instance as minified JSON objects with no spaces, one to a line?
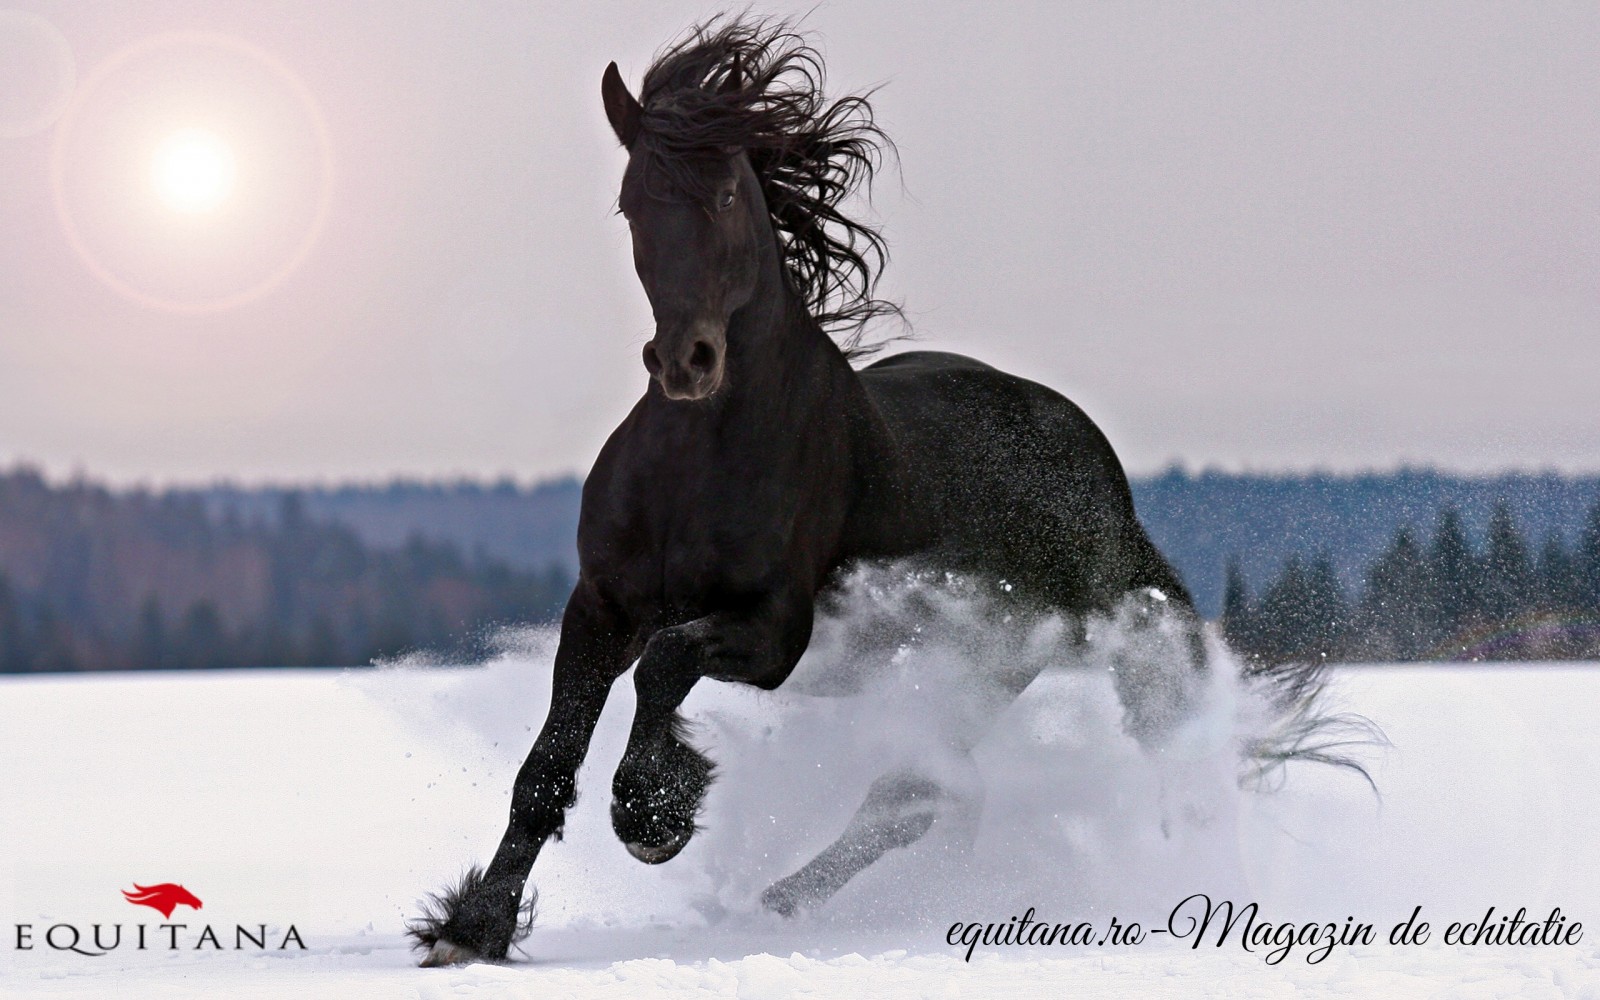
{"x":448,"y":953}
{"x":656,"y":855}
{"x":779,"y":901}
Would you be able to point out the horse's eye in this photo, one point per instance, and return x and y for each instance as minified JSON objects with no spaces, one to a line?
{"x":726,"y":201}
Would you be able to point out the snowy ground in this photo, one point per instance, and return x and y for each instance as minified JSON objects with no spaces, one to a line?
{"x":332,"y":801}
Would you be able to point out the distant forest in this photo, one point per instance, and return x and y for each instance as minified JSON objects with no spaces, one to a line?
{"x":1202,"y":521}
{"x":1447,"y":597}
{"x":92,"y":579}
{"x":1296,"y":566}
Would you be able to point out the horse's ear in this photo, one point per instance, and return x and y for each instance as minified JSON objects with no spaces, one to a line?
{"x":621,"y":109}
{"x":735,"y":78}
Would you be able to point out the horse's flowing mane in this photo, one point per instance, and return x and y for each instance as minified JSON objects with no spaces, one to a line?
{"x":809,"y":154}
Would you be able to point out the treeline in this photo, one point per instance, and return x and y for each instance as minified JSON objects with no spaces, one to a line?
{"x":1199,"y":519}
{"x":529,"y":527}
{"x":229,"y":576}
{"x":1442,"y":597}
{"x":1195,"y":518}
{"x":96,"y":580}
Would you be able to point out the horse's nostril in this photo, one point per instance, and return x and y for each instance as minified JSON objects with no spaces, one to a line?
{"x":652,"y":360}
{"x":703,"y":357}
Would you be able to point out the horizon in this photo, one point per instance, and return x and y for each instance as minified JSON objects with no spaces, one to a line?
{"x":314,"y":243}
{"x":58,"y":479}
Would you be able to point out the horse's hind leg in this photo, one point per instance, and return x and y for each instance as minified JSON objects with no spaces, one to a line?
{"x":1158,"y":663}
{"x":900,"y":807}
{"x":944,"y":786}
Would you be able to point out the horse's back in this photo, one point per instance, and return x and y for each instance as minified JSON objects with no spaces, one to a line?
{"x":1015,"y":479}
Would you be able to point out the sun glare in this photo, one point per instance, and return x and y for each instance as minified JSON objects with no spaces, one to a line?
{"x":192,"y":171}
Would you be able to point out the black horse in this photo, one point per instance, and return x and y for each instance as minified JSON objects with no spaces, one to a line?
{"x":759,"y":464}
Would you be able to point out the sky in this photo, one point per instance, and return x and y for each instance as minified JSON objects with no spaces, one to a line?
{"x":308,"y":241}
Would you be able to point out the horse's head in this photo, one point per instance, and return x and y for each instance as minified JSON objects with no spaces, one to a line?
{"x":699,"y":226}
{"x":738,"y":168}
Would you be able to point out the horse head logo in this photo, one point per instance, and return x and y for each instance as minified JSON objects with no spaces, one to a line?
{"x":165,"y":897}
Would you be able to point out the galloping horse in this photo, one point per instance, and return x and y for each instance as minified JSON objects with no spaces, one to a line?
{"x":760,"y":464}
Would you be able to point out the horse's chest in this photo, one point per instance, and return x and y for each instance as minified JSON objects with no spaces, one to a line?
{"x":685,"y":547}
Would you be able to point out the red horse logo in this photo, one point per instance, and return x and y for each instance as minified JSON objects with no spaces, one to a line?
{"x":165,"y":897}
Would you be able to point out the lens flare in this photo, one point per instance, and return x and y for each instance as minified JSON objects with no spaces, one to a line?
{"x":37,"y":74}
{"x":193,"y":171}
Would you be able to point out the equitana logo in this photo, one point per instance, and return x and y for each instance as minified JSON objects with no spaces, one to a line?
{"x":164,"y":898}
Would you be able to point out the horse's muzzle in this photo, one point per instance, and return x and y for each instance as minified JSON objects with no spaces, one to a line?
{"x":689,"y":364}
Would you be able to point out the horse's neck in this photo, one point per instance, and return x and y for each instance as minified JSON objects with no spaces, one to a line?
{"x":783,"y":365}
{"x":789,"y":385}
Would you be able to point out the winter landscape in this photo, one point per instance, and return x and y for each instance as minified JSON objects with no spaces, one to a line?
{"x":329,"y":802}
{"x":320,"y":324}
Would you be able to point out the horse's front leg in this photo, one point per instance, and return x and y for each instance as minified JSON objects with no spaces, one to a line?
{"x":479,"y":919}
{"x":662,"y":780}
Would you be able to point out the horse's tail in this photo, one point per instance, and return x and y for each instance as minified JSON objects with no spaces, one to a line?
{"x":1301,"y":726}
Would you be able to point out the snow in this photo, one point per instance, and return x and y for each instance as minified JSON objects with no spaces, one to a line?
{"x":332,"y":801}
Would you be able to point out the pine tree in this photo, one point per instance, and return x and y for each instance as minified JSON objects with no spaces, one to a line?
{"x":1302,"y":615}
{"x":1454,"y":582}
{"x":1555,"y":579}
{"x":1587,"y":569}
{"x":1395,"y":604}
{"x":1507,"y":593}
{"x":1328,"y":611}
{"x":1236,"y":619}
{"x":1236,"y":592}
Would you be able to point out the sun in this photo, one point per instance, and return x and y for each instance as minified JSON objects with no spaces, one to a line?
{"x":193,"y":171}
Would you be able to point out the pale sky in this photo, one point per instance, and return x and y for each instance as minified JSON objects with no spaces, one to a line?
{"x":1267,"y":236}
